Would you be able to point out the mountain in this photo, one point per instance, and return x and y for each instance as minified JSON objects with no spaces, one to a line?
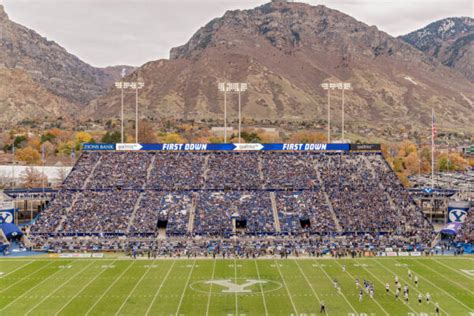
{"x":285,"y":51}
{"x":50,"y":65}
{"x":450,"y":40}
{"x":23,"y":99}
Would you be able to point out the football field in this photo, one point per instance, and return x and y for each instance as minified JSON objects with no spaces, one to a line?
{"x":121,"y":286}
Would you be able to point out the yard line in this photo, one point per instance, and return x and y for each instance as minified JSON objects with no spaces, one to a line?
{"x":25,"y":277}
{"x":375,"y":301}
{"x":235,"y":276}
{"x":452,"y":282}
{"x":286,"y":287}
{"x":82,"y":289}
{"x":329,"y":278}
{"x":109,"y":287}
{"x":210,"y":289}
{"x":261,"y":289}
{"x":441,"y":263}
{"x":30,"y":289}
{"x":381,"y":282}
{"x":135,"y":287}
{"x":159,"y":288}
{"x":309,"y":283}
{"x":11,"y":272}
{"x":59,"y":287}
{"x":468,"y":308}
{"x":185,"y":287}
{"x":405,"y":281}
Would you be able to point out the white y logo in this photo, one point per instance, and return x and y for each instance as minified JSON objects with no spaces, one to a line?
{"x":235,"y":288}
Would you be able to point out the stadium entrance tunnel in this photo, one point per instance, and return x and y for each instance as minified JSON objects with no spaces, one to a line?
{"x":162,"y":224}
{"x":305,"y":223}
{"x":241,"y":224}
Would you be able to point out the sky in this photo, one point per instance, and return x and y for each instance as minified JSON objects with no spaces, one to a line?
{"x":133,"y":32}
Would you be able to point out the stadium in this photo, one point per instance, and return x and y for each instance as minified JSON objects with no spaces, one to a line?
{"x":212,"y":229}
{"x":287,"y":159}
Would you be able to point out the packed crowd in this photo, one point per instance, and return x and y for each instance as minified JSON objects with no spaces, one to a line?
{"x":466,"y":233}
{"x":211,"y":194}
{"x":215,"y":212}
{"x":304,"y":212}
{"x":100,"y":212}
{"x":172,"y":210}
{"x":120,"y":169}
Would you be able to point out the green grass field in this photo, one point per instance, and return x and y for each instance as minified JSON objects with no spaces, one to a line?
{"x":119,"y":286}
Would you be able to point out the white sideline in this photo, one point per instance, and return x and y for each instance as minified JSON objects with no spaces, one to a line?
{"x":210,"y":289}
{"x":261,"y":289}
{"x":135,"y":287}
{"x":82,"y":289}
{"x":59,"y":287}
{"x":159,"y":288}
{"x":109,"y":287}
{"x":185,"y":288}
{"x":405,"y":281}
{"x":29,"y":290}
{"x":286,"y":287}
{"x":329,"y":278}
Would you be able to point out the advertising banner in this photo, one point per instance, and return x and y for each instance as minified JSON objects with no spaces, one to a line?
{"x":216,"y":147}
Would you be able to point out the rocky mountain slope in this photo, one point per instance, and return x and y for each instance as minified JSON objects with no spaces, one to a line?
{"x":450,"y":40}
{"x":285,"y":51}
{"x":21,"y":98}
{"x":56,"y":75}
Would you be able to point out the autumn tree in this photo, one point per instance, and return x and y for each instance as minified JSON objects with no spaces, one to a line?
{"x":173,"y":138}
{"x":307,"y":137}
{"x":32,"y":178}
{"x":146,"y":133}
{"x":28,"y":155}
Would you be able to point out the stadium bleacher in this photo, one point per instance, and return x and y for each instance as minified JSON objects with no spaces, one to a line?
{"x":220,"y":194}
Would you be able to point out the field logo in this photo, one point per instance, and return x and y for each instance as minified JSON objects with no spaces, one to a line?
{"x":6,"y":217}
{"x":235,"y":286}
{"x":457,"y":215}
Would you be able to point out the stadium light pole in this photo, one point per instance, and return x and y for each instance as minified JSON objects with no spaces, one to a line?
{"x":343,"y":86}
{"x":136,"y":85}
{"x":223,"y":87}
{"x":242,"y":87}
{"x":238,"y":87}
{"x":332,"y":86}
{"x":120,"y":85}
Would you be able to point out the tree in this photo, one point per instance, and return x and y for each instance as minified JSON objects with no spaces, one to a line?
{"x":32,"y":178}
{"x":250,"y":137}
{"x":307,"y":137}
{"x":111,"y":138}
{"x":28,"y":155}
{"x":82,"y":137}
{"x":173,"y":138}
{"x":146,"y":133}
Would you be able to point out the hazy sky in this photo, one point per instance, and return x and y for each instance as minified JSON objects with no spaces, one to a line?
{"x":132,"y":32}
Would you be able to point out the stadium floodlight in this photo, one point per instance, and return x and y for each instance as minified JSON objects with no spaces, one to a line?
{"x":332,"y":86}
{"x":136,"y":85}
{"x":119,"y":85}
{"x":237,"y":87}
